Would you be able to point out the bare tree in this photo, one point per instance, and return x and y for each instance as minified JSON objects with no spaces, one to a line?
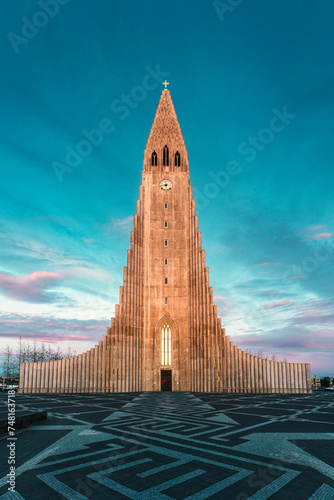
{"x":49,"y":354}
{"x":70,"y":353}
{"x":19,"y":351}
{"x":57,"y":354}
{"x":28,"y":352}
{"x":42,"y":354}
{"x":8,"y":363}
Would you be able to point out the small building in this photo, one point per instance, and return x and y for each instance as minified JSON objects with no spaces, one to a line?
{"x":316,"y":382}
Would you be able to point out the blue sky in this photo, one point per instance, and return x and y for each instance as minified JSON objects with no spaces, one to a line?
{"x":253,"y":87}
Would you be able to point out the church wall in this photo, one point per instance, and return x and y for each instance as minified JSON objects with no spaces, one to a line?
{"x":264,"y":373}
{"x":177,"y":289}
{"x":62,"y":375}
{"x":74,"y":375}
{"x":58,"y":375}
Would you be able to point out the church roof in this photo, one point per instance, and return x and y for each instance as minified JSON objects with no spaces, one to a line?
{"x":165,"y":129}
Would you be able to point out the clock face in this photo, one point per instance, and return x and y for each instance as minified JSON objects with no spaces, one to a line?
{"x":166,"y":184}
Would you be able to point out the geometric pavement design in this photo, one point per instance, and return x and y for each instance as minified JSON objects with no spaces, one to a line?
{"x":174,"y":445}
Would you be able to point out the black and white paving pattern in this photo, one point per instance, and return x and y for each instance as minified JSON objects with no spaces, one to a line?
{"x":173,"y":445}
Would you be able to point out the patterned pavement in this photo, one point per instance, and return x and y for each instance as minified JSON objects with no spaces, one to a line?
{"x":172,"y":445}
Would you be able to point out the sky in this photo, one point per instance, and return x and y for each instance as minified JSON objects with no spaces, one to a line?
{"x":253,"y":87}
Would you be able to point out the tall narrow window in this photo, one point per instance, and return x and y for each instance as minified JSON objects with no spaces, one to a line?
{"x":166,"y":224}
{"x":166,"y":156}
{"x":166,"y":205}
{"x":166,"y":262}
{"x":154,"y":159}
{"x":166,"y":243}
{"x":166,"y":281}
{"x":166,"y":345}
{"x":166,"y":300}
{"x":177,"y":159}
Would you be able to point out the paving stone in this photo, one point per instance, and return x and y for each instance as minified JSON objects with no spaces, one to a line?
{"x":178,"y":446}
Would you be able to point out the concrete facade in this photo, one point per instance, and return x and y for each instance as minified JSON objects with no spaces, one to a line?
{"x":166,"y":312}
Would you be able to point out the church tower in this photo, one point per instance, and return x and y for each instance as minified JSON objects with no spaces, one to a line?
{"x":166,"y":334}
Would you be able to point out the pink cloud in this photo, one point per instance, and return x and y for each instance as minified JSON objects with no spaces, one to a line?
{"x":223,"y":304}
{"x":307,"y":312}
{"x":321,"y":236}
{"x":315,"y":228}
{"x":313,"y":302}
{"x":30,"y":288}
{"x":246,"y":339}
{"x":42,"y":329}
{"x":279,"y":303}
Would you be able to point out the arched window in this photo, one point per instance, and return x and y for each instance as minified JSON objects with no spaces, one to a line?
{"x":154,"y":159}
{"x":166,"y":156}
{"x":177,"y":159}
{"x":166,"y":345}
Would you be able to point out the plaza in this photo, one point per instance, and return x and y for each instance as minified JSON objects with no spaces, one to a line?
{"x":174,"y":445}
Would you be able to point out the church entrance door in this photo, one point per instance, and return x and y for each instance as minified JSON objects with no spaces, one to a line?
{"x":166,"y":380}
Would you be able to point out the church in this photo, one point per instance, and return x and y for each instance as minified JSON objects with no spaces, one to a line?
{"x":166,"y":334}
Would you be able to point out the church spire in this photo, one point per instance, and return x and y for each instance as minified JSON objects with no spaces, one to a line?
{"x":165,"y":149}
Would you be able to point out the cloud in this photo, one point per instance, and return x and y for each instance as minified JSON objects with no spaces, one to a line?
{"x":120,"y":225}
{"x":279,"y":303}
{"x":30,"y":287}
{"x":123,"y":225}
{"x":321,"y":236}
{"x":50,"y":329}
{"x":315,"y":228}
{"x":268,"y":292}
{"x":288,"y":339}
{"x":114,"y":227}
{"x":223,"y":304}
{"x":267,"y":245}
{"x":316,"y":318}
{"x":306,"y":312}
{"x":29,"y":252}
{"x":304,"y":335}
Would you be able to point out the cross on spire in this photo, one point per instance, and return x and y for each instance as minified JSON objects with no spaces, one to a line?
{"x":165,"y":83}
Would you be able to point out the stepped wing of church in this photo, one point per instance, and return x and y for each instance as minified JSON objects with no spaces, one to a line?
{"x":166,"y":334}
